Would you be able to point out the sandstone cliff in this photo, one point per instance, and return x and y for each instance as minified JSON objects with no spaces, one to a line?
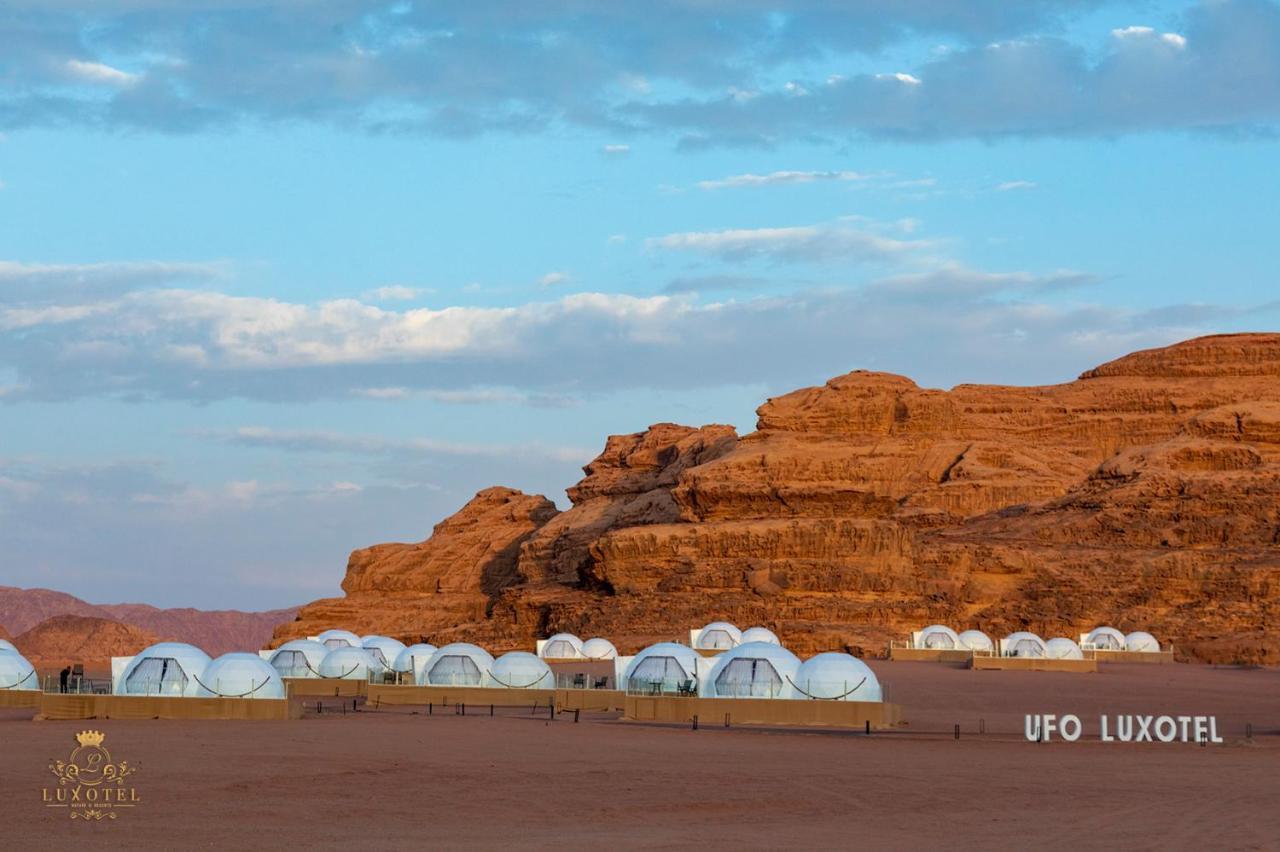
{"x":1144,"y":494}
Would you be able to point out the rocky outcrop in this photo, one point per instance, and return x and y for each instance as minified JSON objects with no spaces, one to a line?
{"x":1143,"y":494}
{"x":68,"y":639}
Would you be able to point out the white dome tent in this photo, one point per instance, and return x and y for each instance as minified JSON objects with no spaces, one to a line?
{"x":521,"y":670}
{"x":348,"y":662}
{"x":976,"y":640}
{"x":457,"y":664}
{"x":1062,"y":648}
{"x":1106,"y":639}
{"x":239,"y":675}
{"x":832,"y":676}
{"x":1024,"y":644}
{"x":938,"y":637}
{"x":298,"y":658}
{"x":6,"y":645}
{"x":413,"y":660}
{"x":760,"y":634}
{"x":562,"y":646}
{"x":664,"y":667}
{"x":383,"y":649}
{"x":16,"y":673}
{"x":166,"y":668}
{"x":753,"y":670}
{"x":1140,"y":641}
{"x":338,"y":639}
{"x":717,"y":636}
{"x":599,"y":649}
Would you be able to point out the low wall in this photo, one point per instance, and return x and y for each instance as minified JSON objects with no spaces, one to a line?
{"x":442,"y":695}
{"x":1147,"y":657}
{"x":596,"y":700}
{"x":761,"y":711}
{"x":1032,"y":664}
{"x":56,"y":706}
{"x":592,"y":700}
{"x":20,"y":697}
{"x":929,"y":655}
{"x":590,"y":671}
{"x":325,"y":687}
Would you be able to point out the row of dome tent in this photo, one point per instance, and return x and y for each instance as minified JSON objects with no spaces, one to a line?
{"x":758,"y":668}
{"x":938,"y":637}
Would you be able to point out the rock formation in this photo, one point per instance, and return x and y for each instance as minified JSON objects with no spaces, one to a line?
{"x":68,"y":639}
{"x":1146,"y":494}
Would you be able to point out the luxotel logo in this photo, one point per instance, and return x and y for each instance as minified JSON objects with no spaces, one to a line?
{"x":91,"y":784}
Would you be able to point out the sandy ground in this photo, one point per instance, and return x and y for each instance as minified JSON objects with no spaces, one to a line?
{"x":403,"y":779}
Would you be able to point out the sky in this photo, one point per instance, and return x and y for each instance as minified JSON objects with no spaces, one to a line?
{"x":284,"y":278}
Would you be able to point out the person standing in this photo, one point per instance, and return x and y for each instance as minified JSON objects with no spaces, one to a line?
{"x":62,"y":679}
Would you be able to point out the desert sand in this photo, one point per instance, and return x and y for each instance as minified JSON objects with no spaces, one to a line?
{"x":399,"y":778}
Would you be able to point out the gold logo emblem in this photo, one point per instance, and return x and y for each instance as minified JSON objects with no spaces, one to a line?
{"x":91,"y":784}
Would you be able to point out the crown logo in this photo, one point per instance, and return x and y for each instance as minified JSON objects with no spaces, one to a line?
{"x":90,"y":739}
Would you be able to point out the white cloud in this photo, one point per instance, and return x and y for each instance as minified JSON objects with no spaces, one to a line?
{"x":1139,"y":32}
{"x":781,"y":177}
{"x":551,"y":279}
{"x":376,"y":445}
{"x":395,"y":293}
{"x":616,"y":150}
{"x":901,"y":77}
{"x":1011,"y":185}
{"x":97,"y":72}
{"x":803,"y":243}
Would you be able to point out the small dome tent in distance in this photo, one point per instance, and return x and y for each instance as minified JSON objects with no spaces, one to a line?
{"x":521,"y":670}
{"x":833,"y":676}
{"x":1061,"y":648}
{"x":339,"y":639}
{"x":562,"y":646}
{"x":599,"y":649}
{"x":1024,"y":644}
{"x":298,"y":658}
{"x":717,"y":636}
{"x":976,"y":640}
{"x":457,"y":664}
{"x":240,"y":675}
{"x":413,"y":659}
{"x":760,"y":634}
{"x":753,"y":670}
{"x":938,"y":637}
{"x":661,"y":668}
{"x":166,"y":668}
{"x":383,"y":649}
{"x":1106,"y":639}
{"x":1142,"y":642}
{"x":348,"y":662}
{"x":16,"y":672}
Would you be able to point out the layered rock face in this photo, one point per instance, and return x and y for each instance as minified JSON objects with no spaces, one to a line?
{"x":1142,"y":495}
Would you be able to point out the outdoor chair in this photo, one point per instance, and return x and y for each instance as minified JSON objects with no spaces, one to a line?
{"x":600,"y":683}
{"x":579,"y":681}
{"x":685,"y":687}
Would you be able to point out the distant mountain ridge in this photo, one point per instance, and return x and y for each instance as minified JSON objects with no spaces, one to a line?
{"x":215,"y":631}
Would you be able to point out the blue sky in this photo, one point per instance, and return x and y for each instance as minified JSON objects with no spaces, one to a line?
{"x":281,"y":279}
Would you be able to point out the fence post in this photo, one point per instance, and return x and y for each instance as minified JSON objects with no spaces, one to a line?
{"x":726,"y":720}
{"x":490,"y":709}
{"x":868,"y":721}
{"x":1248,"y":731}
{"x":695,"y":721}
{"x":982,"y":726}
{"x":431,"y":706}
{"x":957,"y":730}
{"x":551,"y":705}
{"x":575,"y":715}
{"x":319,"y":706}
